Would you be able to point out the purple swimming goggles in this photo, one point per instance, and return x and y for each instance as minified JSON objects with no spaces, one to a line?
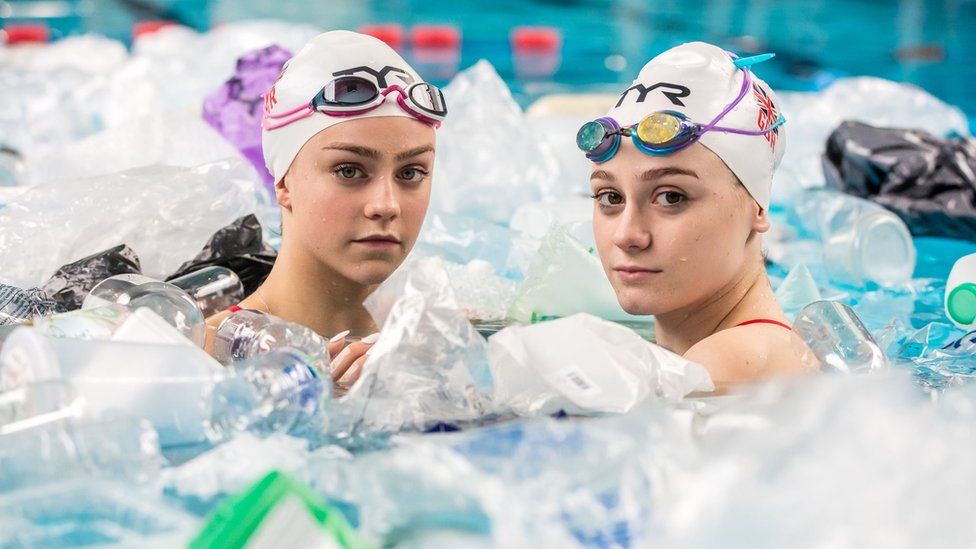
{"x":665,"y":132}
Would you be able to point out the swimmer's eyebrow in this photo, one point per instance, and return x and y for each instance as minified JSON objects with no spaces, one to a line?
{"x":659,"y":173}
{"x":372,"y":154}
{"x":601,"y":174}
{"x":414,"y":152}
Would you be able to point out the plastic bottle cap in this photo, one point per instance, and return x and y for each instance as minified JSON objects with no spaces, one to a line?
{"x":961,"y":304}
{"x":390,"y":33}
{"x":26,"y":33}
{"x":436,"y":37}
{"x":145,"y":28}
{"x":536,"y":40}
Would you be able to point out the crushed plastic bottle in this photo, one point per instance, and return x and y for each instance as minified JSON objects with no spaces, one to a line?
{"x":189,"y":398}
{"x":167,"y":300}
{"x":248,"y":333}
{"x":838,"y":339}
{"x":215,"y":288}
{"x":862,"y":240}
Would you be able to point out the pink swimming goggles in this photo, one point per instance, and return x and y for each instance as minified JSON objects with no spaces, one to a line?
{"x":354,"y":95}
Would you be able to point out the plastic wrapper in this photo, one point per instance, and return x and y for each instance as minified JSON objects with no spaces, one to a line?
{"x":797,"y":290}
{"x":462,"y":239}
{"x":470,"y":178}
{"x":164,"y":214}
{"x":17,"y":305}
{"x":71,"y":283}
{"x":235,"y":108}
{"x":584,"y":365}
{"x":929,"y":182}
{"x":240,"y":247}
{"x":812,"y":117}
{"x":429,"y":365}
{"x":82,"y":513}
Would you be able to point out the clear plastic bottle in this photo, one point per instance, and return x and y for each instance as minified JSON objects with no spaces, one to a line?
{"x":97,"y":323}
{"x":214,"y":288}
{"x":116,"y":447}
{"x":838,"y":339}
{"x":248,"y":333}
{"x":862,"y":240}
{"x":171,"y":303}
{"x":188,"y":397}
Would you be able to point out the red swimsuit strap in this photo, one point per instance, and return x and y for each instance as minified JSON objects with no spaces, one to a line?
{"x":764,"y":321}
{"x":234,"y":308}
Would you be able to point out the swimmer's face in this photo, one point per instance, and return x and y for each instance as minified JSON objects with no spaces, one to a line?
{"x":356,"y":195}
{"x":672,"y":231}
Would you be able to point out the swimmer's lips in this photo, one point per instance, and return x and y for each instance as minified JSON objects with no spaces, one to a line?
{"x":630,"y":273}
{"x":379,"y":241}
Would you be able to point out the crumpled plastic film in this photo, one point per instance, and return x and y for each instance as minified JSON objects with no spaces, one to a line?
{"x":583,"y":365}
{"x":18,"y":305}
{"x":165,"y":214}
{"x":53,"y":95}
{"x":469,"y":178}
{"x":564,"y":279}
{"x":235,"y":108}
{"x":429,"y":365}
{"x":166,"y":137}
{"x":71,"y":283}
{"x":811,"y":118}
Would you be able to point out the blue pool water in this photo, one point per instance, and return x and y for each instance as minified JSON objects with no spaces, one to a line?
{"x":925,"y":42}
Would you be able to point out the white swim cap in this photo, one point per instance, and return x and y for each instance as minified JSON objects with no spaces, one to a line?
{"x":324,"y":58}
{"x":700,"y":80}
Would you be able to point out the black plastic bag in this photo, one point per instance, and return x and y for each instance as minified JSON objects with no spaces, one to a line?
{"x":70,"y":284}
{"x":241,"y":248}
{"x":929,"y":182}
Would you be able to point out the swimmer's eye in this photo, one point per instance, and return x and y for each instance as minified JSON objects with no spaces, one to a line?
{"x":413,"y":174}
{"x":608,"y":199}
{"x":347,"y":171}
{"x":669,"y":198}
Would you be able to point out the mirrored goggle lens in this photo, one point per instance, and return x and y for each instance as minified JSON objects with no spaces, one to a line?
{"x":349,"y":91}
{"x":592,"y":137}
{"x":428,"y":98}
{"x":662,"y":128}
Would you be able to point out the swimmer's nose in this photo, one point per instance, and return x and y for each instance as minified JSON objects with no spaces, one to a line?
{"x":383,"y":202}
{"x":630,"y":234}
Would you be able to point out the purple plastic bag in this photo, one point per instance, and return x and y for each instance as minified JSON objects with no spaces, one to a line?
{"x":236,"y":107}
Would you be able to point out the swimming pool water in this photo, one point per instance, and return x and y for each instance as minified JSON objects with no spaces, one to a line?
{"x":605,"y":42}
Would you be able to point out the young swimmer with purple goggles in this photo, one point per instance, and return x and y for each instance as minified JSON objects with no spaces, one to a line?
{"x":679,"y":209}
{"x":348,"y":135}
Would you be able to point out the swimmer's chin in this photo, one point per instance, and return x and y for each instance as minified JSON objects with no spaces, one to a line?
{"x":637,"y":303}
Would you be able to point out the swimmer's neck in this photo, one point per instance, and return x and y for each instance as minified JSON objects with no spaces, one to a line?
{"x":749,"y":296}
{"x":301,"y":289}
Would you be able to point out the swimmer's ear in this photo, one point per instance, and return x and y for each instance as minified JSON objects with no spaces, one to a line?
{"x":760,"y":220}
{"x":283,"y":193}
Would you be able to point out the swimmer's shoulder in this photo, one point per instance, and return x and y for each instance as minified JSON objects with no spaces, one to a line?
{"x":746,"y":354}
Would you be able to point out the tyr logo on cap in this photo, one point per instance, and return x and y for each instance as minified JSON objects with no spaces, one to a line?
{"x":674,"y":92}
{"x":380,"y":75}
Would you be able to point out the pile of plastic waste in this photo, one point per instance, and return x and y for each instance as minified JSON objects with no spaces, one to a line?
{"x":509,"y":401}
